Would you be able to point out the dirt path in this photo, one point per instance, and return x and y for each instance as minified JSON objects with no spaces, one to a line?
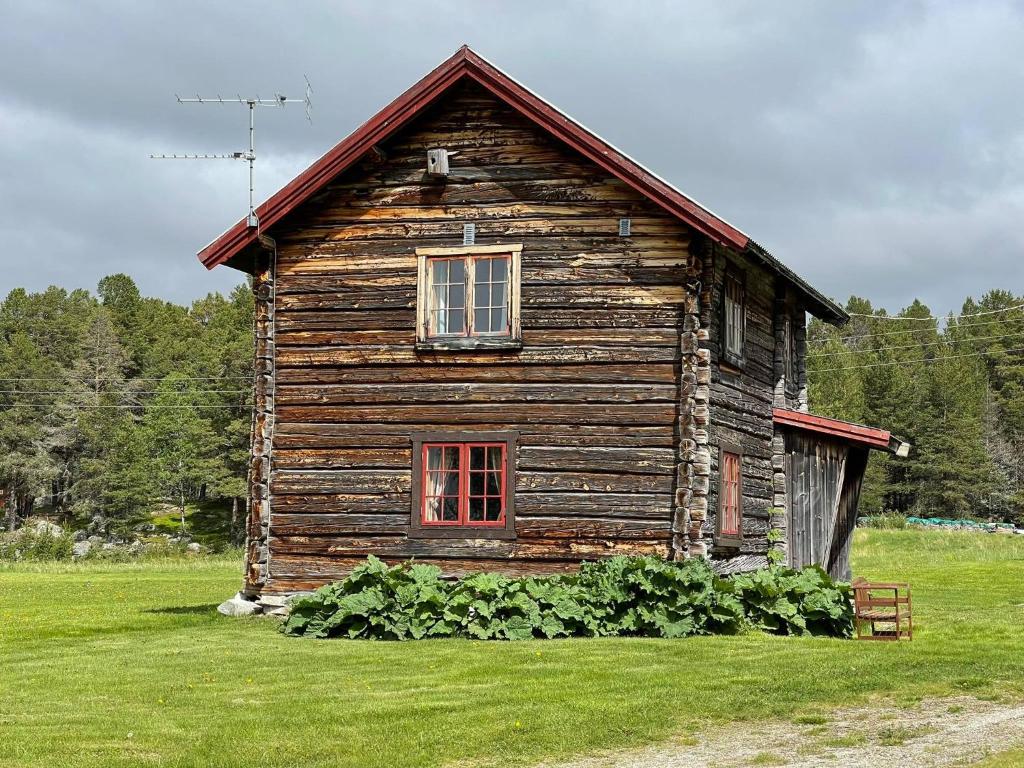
{"x":938,"y":732}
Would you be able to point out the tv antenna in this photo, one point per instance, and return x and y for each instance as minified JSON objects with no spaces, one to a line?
{"x":278,"y":101}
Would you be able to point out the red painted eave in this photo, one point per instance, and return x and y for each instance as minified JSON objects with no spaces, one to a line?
{"x":466,"y":63}
{"x":844,"y":431}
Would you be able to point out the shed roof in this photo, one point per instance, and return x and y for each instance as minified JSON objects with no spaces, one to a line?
{"x":843,"y":431}
{"x":466,"y":63}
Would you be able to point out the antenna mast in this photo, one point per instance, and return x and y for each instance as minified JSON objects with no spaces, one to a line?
{"x":278,"y":101}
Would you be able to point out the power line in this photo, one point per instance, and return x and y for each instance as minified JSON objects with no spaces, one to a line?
{"x":909,"y":362}
{"x":915,"y":346}
{"x":127,"y":392}
{"x":128,"y":379}
{"x":916,"y":330}
{"x":934,"y":317}
{"x":127,"y":407}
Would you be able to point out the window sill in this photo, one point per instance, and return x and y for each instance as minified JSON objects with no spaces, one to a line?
{"x":463,"y":533}
{"x":470,"y":344}
{"x":731,"y":365}
{"x":727,"y":542}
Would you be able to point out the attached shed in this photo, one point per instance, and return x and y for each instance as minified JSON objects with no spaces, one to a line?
{"x":490,"y":340}
{"x":825,"y":461}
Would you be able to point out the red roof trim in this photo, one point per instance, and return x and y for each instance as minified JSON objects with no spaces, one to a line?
{"x":466,"y":63}
{"x":843,"y":430}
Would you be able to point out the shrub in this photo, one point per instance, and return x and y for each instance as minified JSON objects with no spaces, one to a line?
{"x":35,"y":544}
{"x":788,"y":602}
{"x":886,"y":520}
{"x":640,"y":596}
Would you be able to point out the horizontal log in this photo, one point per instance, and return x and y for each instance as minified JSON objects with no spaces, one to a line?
{"x":502,"y":371}
{"x":608,"y":482}
{"x":541,"y":337}
{"x":341,"y":503}
{"x":649,"y":506}
{"x":342,"y":458}
{"x":599,"y":459}
{"x":398,"y":394}
{"x":305,"y":524}
{"x":286,"y":481}
{"x":402,"y":547}
{"x":367,"y":355}
{"x":311,"y":436}
{"x":443,"y":415}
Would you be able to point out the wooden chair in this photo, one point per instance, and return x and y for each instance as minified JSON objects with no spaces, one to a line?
{"x":882,"y":611}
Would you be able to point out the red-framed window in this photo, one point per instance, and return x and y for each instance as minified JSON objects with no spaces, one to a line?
{"x":729,"y":528}
{"x":463,"y":484}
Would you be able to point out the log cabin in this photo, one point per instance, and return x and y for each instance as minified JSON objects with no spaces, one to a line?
{"x":490,"y":340}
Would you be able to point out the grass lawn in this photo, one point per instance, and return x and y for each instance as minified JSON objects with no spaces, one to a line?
{"x":119,"y":665}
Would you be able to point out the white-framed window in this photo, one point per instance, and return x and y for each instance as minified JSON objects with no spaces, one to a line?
{"x":468,"y":295}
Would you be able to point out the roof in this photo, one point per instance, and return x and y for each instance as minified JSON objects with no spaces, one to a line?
{"x":466,"y":63}
{"x":843,"y":431}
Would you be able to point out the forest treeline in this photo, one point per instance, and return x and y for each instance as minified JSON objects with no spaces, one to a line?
{"x":953,"y":386}
{"x":113,"y":405}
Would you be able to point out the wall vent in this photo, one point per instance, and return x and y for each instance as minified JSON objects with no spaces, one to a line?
{"x":469,"y":233}
{"x":624,"y":227}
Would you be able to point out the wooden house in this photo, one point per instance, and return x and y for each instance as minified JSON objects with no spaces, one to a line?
{"x":488,"y":339}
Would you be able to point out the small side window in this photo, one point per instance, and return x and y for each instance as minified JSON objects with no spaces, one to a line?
{"x":789,"y":353}
{"x":734,"y":319}
{"x":729,"y":521}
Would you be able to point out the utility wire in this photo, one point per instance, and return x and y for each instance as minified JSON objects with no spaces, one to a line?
{"x":933,"y":317}
{"x":132,"y":378}
{"x":916,"y":330}
{"x":909,"y":362}
{"x":914,"y":346}
{"x":125,"y":392}
{"x":128,"y":407}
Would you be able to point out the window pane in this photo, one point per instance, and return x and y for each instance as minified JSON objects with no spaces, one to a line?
{"x":476,"y":483}
{"x":476,"y":456}
{"x":432,"y":509}
{"x":497,"y":320}
{"x":493,"y":484}
{"x":439,"y":272}
{"x":499,"y":270}
{"x":456,"y":321}
{"x":493,"y":510}
{"x":498,"y":295}
{"x":439,"y":297}
{"x":457,"y":271}
{"x":482,"y":295}
{"x":451,"y":484}
{"x":456,"y":296}
{"x":434,"y":457}
{"x":494,"y":454}
{"x":451,"y":509}
{"x":476,"y":510}
{"x":483,"y":270}
{"x":481,"y":320}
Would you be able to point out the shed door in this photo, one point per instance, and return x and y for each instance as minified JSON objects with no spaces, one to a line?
{"x":815,"y":472}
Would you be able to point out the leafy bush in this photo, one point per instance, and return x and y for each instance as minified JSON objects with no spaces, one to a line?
{"x":35,"y":544}
{"x":788,"y":602}
{"x":641,"y":596}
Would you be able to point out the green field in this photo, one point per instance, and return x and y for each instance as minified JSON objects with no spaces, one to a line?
{"x":119,"y":665}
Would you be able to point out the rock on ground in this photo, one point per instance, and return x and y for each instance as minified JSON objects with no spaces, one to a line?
{"x":238,"y":605}
{"x":936,"y":733}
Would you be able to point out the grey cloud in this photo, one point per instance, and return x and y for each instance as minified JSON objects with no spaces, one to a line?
{"x":878,"y":149}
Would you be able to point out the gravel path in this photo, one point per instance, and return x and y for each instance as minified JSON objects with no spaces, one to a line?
{"x":933,"y":734}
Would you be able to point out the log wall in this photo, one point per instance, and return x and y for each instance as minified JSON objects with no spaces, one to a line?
{"x":594,"y":393}
{"x":741,"y":400}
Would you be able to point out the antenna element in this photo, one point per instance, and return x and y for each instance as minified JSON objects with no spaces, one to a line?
{"x":279,"y":100}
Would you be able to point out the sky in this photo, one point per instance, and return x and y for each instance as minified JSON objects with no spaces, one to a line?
{"x":875,"y":148}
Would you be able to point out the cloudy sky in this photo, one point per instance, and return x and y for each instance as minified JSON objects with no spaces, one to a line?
{"x":877,"y":148}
